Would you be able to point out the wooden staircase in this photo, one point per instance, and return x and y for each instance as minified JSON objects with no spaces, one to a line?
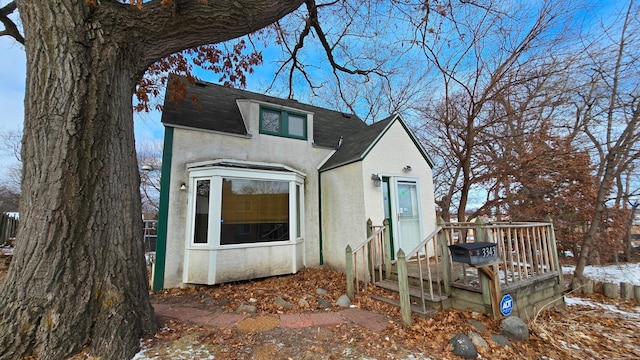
{"x":417,"y":297}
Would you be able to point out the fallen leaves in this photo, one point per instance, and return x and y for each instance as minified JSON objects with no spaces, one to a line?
{"x":578,"y":332}
{"x":585,"y":332}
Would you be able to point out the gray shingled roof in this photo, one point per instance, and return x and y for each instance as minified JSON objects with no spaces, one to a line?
{"x":355,"y":146}
{"x":217,"y":110}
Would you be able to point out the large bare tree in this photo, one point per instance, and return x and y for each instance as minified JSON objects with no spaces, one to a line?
{"x":608,"y":112}
{"x":78,"y":276}
{"x":150,"y":160}
{"x":483,"y":55}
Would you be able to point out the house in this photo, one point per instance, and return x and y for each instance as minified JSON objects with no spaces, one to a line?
{"x":255,"y":186}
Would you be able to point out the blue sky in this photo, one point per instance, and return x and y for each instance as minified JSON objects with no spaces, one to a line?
{"x":147,"y":125}
{"x":12,"y":85}
{"x":12,"y":78}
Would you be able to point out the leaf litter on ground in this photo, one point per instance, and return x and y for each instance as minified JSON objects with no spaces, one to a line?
{"x":591,"y":327}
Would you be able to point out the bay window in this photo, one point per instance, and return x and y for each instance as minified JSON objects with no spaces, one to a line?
{"x":244,"y":207}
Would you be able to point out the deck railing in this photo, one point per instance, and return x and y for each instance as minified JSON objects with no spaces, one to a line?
{"x":525,"y":250}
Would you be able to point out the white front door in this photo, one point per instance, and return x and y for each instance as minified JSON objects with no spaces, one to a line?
{"x":408,"y":219}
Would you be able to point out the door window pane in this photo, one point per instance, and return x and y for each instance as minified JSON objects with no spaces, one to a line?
{"x":201,"y":223}
{"x":407,"y":200}
{"x":254,"y":211}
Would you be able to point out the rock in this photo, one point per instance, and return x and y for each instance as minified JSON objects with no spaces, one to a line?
{"x":303,"y":303}
{"x":208,"y":300}
{"x":514,"y":328}
{"x":462,"y":346}
{"x":477,"y":340}
{"x":343,"y":301}
{"x":320,"y":291}
{"x":280,"y":302}
{"x":224,"y":302}
{"x":477,"y":325}
{"x":324,"y":303}
{"x":500,"y":340}
{"x":244,"y":308}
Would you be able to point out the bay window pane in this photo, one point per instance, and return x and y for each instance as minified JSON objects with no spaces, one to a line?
{"x":201,"y":222}
{"x":254,"y":211}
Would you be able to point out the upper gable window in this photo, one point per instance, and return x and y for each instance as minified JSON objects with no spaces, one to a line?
{"x":283,"y":123}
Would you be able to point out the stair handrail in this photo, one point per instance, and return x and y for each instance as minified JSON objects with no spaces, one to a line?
{"x":426,"y":240}
{"x":361,"y":246}
{"x":375,"y":251}
{"x":416,"y":252}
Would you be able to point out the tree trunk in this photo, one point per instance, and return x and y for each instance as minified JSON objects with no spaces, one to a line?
{"x":628,"y":235}
{"x":596,"y":220}
{"x":78,"y":276}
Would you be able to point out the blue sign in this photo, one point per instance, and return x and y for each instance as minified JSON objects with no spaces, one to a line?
{"x":506,"y":305}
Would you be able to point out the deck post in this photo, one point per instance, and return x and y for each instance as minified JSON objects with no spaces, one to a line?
{"x":485,"y":287}
{"x":403,"y":287}
{"x":554,"y":250}
{"x":494,"y":288}
{"x":479,"y":230}
{"x":349,"y":271}
{"x":372,"y":249}
{"x":386,"y":238}
{"x":445,"y":262}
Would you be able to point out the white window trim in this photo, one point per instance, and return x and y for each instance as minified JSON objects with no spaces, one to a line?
{"x":216,"y":174}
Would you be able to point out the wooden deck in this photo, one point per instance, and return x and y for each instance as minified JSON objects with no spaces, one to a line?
{"x":526,"y":268}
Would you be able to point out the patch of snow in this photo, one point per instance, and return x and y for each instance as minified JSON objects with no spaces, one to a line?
{"x":417,"y":357}
{"x":570,"y":301}
{"x":624,"y":272}
{"x":6,"y":250}
{"x":178,"y":354}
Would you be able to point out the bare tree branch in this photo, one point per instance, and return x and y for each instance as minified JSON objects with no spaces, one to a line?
{"x":10,"y":28}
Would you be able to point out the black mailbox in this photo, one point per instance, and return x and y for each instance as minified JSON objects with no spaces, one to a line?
{"x":474,"y":253}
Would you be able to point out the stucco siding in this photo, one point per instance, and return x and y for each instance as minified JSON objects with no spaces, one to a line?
{"x":254,"y":262}
{"x":343,"y":212}
{"x":388,"y":157}
{"x":192,"y":146}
